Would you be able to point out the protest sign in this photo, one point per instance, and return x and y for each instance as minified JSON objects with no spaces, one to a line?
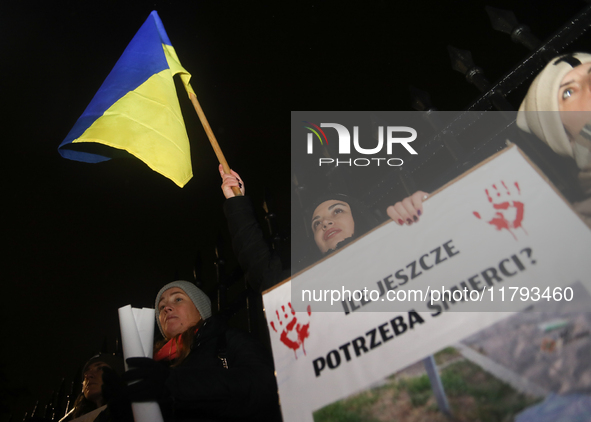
{"x":501,"y":232}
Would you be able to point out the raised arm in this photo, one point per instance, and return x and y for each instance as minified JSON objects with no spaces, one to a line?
{"x":261,"y":265}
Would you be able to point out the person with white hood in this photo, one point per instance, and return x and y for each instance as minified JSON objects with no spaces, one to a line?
{"x":557,"y":109}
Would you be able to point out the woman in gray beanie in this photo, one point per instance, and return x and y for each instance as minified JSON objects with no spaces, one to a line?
{"x":202,"y":370}
{"x":557,"y":109}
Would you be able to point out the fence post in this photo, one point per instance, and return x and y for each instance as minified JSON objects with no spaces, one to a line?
{"x":436,"y":385}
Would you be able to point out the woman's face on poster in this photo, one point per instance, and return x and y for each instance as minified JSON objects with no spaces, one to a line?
{"x":332,"y":222}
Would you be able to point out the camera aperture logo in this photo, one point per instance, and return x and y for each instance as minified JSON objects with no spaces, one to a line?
{"x":317,"y":135}
{"x":402,"y":135}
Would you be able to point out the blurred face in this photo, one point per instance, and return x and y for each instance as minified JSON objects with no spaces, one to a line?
{"x":177,"y":313}
{"x":574,"y":98}
{"x":332,"y":222}
{"x":93,"y":381}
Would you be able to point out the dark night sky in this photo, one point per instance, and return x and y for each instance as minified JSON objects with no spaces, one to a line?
{"x":82,"y":240}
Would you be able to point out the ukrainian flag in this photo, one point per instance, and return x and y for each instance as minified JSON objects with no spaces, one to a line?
{"x":137,"y":110}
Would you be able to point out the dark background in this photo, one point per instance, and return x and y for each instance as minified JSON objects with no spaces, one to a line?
{"x":82,"y":240}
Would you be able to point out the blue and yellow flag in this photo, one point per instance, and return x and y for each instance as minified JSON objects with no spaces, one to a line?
{"x":137,"y":110}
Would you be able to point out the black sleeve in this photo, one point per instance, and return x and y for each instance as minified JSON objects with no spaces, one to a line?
{"x":261,"y":265}
{"x":246,"y":390}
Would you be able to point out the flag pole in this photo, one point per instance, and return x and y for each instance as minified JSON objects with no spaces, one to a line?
{"x":212,"y":140}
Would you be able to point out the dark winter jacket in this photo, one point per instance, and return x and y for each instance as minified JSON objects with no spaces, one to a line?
{"x":261,"y":265}
{"x":203,"y":390}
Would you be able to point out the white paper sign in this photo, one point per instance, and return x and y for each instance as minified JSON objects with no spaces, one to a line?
{"x":137,"y":337}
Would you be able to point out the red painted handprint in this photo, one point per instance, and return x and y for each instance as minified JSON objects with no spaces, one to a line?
{"x":508,"y":214}
{"x":293,"y":333}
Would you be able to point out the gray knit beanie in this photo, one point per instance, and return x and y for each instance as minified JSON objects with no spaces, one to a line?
{"x":199,"y":299}
{"x":539,"y":113}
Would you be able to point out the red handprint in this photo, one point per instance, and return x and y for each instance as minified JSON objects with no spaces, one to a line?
{"x":293,"y":334}
{"x":508,"y":214}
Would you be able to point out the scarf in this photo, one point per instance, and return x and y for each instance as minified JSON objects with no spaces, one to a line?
{"x":170,"y":351}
